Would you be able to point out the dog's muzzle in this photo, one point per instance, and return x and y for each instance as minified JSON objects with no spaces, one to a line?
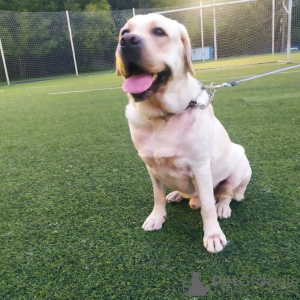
{"x":130,"y":45}
{"x":130,"y":41}
{"x":139,"y":82}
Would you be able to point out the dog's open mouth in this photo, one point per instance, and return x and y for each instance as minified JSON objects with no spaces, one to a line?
{"x":142,"y":85}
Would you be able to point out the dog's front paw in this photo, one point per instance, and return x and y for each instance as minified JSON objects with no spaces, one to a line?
{"x":174,"y":197}
{"x":154,"y":222}
{"x":223,"y":210}
{"x":215,"y":243}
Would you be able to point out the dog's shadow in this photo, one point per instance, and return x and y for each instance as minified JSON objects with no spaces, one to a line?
{"x":186,"y":223}
{"x":182,"y":221}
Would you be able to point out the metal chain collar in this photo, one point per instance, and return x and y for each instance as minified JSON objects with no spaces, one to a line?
{"x":212,"y":90}
{"x":193,"y":103}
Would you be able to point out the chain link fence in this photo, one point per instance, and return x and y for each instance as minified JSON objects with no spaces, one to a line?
{"x":38,"y":45}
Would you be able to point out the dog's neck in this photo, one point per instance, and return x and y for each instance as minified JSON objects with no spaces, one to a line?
{"x":166,"y":104}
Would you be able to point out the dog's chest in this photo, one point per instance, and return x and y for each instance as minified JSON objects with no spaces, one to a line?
{"x":160,"y":139}
{"x":167,"y":156}
{"x":165,"y":147}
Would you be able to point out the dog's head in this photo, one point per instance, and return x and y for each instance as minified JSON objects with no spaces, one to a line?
{"x":152,"y":51}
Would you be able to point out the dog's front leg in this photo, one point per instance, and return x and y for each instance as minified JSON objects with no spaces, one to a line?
{"x":214,"y":239}
{"x":158,"y":215}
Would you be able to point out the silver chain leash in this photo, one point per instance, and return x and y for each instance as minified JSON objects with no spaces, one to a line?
{"x":213,"y":88}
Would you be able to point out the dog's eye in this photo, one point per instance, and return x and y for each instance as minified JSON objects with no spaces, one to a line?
{"x":159,"y":32}
{"x":124,"y":32}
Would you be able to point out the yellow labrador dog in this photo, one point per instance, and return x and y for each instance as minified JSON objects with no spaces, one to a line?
{"x":173,"y":126}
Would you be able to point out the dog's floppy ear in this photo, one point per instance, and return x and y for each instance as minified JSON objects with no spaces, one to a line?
{"x":118,"y":68}
{"x":188,"y":49}
{"x":118,"y":72}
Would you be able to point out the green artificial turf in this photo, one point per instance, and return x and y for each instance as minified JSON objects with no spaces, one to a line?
{"x":74,"y":195}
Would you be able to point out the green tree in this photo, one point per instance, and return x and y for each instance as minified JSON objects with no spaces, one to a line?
{"x":53,"y":5}
{"x":86,"y":5}
{"x":24,"y":36}
{"x":31,"y":5}
{"x":127,"y":4}
{"x":98,"y":5}
{"x":296,"y":25}
{"x":123,"y":4}
{"x":95,"y":39}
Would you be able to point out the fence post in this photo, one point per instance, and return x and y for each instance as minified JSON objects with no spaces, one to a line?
{"x":202,"y":38}
{"x":4,"y":63}
{"x":282,"y":21}
{"x":215,"y":32}
{"x":273,"y":26}
{"x":133,"y":12}
{"x":288,"y":46}
{"x":72,"y":45}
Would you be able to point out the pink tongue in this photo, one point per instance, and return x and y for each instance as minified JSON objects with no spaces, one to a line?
{"x":137,"y":84}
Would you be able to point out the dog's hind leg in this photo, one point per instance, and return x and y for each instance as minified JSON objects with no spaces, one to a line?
{"x":224,"y":195}
{"x":238,"y":193}
{"x":177,"y":197}
{"x":232,"y":188}
{"x":244,"y":178}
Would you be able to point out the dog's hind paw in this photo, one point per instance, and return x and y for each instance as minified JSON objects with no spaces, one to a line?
{"x":194,"y":203}
{"x":174,"y":197}
{"x":223,"y":210}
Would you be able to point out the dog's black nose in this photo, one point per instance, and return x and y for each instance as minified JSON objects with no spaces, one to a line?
{"x":130,"y":41}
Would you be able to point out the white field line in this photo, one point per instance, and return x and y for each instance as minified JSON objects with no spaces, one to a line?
{"x":229,"y":78}
{"x":50,"y":86}
{"x":288,"y":72}
{"x":235,"y":67}
{"x":2,"y":91}
{"x":114,"y":88}
{"x":84,"y":91}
